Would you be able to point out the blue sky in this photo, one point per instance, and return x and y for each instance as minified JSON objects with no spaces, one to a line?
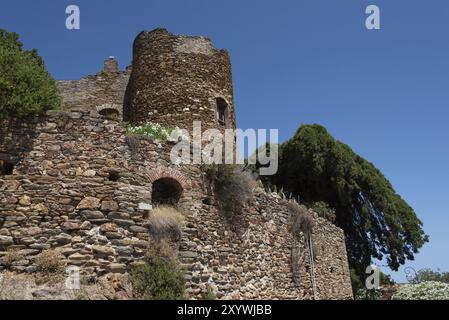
{"x":384,"y":92}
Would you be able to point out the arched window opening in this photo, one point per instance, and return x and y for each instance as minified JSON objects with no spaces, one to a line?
{"x":110,"y":113}
{"x":6,"y":168}
{"x":222,"y":112}
{"x":166,"y":191}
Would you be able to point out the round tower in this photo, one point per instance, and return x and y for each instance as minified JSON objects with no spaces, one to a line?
{"x":176,"y":80}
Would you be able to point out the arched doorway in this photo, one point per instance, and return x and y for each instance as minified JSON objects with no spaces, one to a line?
{"x":166,"y":191}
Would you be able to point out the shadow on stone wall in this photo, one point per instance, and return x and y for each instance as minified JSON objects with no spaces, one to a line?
{"x":17,"y":135}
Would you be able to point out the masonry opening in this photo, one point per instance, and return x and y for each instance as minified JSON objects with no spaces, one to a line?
{"x":110,"y":113}
{"x":113,"y":176}
{"x":6,"y":168}
{"x":166,"y":191}
{"x":222,"y":112}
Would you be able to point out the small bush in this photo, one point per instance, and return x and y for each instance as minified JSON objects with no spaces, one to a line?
{"x":50,"y":261}
{"x":301,"y":219}
{"x":210,"y":295}
{"x":232,"y":186}
{"x":368,"y":294}
{"x":160,"y":278}
{"x":165,"y":222}
{"x":12,"y":256}
{"x":324,"y":211}
{"x":25,"y":85}
{"x":429,"y":290}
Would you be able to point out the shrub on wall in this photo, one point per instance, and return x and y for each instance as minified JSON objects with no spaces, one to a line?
{"x":149,"y":130}
{"x":160,"y":277}
{"x":301,"y":219}
{"x":25,"y":85}
{"x":429,"y":290}
{"x":324,"y":211}
{"x":232,"y":186}
{"x":50,"y":261}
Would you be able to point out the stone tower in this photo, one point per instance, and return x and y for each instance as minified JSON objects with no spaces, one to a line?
{"x":176,"y":80}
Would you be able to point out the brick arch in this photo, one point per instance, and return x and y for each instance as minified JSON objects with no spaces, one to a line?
{"x":108,"y":106}
{"x":165,"y":172}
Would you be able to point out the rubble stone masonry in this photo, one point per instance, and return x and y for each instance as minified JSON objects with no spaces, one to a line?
{"x":60,"y":196}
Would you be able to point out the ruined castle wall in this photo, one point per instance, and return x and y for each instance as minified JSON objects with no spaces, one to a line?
{"x":176,"y":80}
{"x":256,"y":261}
{"x":60,"y":197}
{"x":105,"y":90}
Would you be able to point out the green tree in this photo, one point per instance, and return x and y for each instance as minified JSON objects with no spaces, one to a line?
{"x":424,"y":275}
{"x":377,"y":222}
{"x":25,"y":85}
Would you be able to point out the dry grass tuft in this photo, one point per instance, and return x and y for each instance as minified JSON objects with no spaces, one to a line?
{"x":165,"y":222}
{"x":50,"y":261}
{"x":301,"y":219}
{"x":12,"y":256}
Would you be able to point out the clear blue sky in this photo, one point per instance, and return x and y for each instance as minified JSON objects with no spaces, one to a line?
{"x":385,"y":93}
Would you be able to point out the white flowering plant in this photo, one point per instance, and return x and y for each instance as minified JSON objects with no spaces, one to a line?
{"x":428,"y":290}
{"x":150,"y":130}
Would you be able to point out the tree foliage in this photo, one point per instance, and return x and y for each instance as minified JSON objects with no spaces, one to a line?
{"x":377,"y":222}
{"x":430,"y":275}
{"x":160,"y":277}
{"x":25,"y":85}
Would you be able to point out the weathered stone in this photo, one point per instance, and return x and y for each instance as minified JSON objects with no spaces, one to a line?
{"x":138,"y":229}
{"x":118,"y":215}
{"x":124,"y":223}
{"x":89,"y":203}
{"x":86,"y":225}
{"x":71,"y":226}
{"x":6,"y":241}
{"x":124,"y":251}
{"x":103,"y":251}
{"x":92,"y":215}
{"x":117,"y":268}
{"x":108,"y":227}
{"x":89,"y":173}
{"x":113,"y":235}
{"x":79,"y":257}
{"x":40,"y":246}
{"x":68,"y":251}
{"x":34,"y":231}
{"x":109,"y":206}
{"x":63,"y":239}
{"x":25,"y":201}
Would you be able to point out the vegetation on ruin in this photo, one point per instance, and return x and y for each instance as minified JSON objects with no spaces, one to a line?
{"x":232,"y":187}
{"x":50,"y":261}
{"x":324,"y":211}
{"x":26,"y":87}
{"x":165,"y":222}
{"x":377,"y":222}
{"x":160,"y":276}
{"x":153,"y":131}
{"x":301,"y":219}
